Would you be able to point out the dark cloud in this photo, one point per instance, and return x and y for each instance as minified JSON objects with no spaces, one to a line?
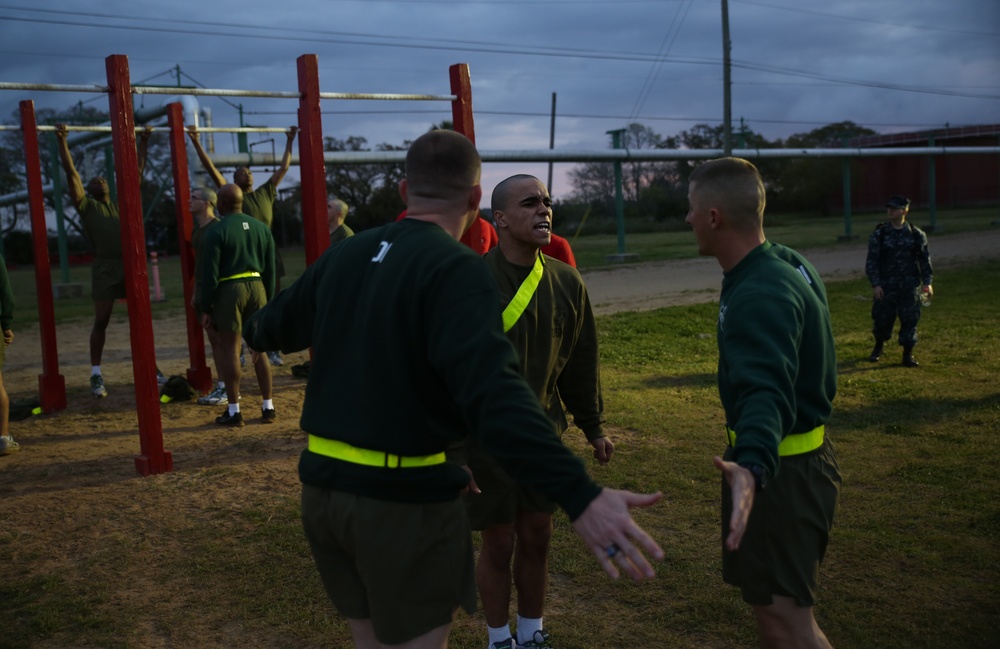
{"x":798,"y":64}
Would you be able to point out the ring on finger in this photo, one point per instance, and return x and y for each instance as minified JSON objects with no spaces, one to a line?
{"x":612,"y":550}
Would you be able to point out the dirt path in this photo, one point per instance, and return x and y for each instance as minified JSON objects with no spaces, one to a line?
{"x":657,"y":284}
{"x":634,"y":287}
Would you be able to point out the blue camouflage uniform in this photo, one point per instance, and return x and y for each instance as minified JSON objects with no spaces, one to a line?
{"x":899,"y":262}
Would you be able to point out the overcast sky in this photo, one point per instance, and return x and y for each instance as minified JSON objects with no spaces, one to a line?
{"x":889,"y":65}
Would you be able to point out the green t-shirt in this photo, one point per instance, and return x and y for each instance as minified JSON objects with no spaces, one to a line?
{"x":260,"y":203}
{"x":102,"y":226}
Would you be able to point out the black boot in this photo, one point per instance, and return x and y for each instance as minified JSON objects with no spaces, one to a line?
{"x":908,"y":360}
{"x":876,"y":352}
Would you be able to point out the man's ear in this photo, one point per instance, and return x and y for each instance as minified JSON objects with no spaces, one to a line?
{"x":499,"y":218}
{"x":402,"y":189}
{"x":475,"y":195}
{"x":715,"y":218}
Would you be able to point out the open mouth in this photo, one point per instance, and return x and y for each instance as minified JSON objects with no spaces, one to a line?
{"x":544,"y":226}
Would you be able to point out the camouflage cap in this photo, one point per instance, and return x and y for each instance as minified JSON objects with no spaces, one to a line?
{"x":898,"y":202}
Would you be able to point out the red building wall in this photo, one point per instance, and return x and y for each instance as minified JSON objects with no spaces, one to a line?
{"x":961,"y":180}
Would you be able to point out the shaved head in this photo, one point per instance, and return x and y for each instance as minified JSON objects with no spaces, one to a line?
{"x":230,"y":199}
{"x":501,"y":197}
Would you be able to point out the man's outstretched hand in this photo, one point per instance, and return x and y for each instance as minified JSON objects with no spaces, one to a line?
{"x":617,"y":541}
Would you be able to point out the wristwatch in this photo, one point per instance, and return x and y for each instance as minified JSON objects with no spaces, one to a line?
{"x":759,"y":475}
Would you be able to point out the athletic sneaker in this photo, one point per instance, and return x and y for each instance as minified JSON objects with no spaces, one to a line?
{"x":217,"y":397}
{"x":8,"y":445}
{"x":540,"y":640}
{"x":268,"y":415}
{"x":233,"y":421}
{"x":275,"y":359}
{"x":506,"y":644}
{"x":97,"y":386}
{"x":160,"y":378}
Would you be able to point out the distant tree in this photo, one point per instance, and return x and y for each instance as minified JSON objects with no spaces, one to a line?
{"x":370,"y":189}
{"x":593,"y":182}
{"x":810,"y":184}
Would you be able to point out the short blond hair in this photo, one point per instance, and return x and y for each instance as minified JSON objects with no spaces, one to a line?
{"x":735,"y":185}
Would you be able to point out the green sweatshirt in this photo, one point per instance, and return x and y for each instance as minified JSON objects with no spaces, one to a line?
{"x":556,"y":341}
{"x":237,"y":244}
{"x":777,"y":363}
{"x":409,"y":356}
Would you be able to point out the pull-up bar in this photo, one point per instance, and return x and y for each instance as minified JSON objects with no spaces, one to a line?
{"x":154,"y":129}
{"x":153,"y":458}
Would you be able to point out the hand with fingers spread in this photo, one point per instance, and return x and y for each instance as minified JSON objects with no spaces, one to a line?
{"x":615,"y":538}
{"x":742,"y":484}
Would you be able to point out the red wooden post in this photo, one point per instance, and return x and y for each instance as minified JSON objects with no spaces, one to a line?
{"x":199,"y":375}
{"x":153,"y":458}
{"x":461,"y":107}
{"x":51,"y":384}
{"x":311,"y":168}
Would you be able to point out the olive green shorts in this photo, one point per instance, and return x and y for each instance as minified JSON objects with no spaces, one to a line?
{"x":788,"y":530}
{"x":107,"y":280}
{"x":406,"y":567}
{"x":235,"y":301}
{"x":501,"y":497}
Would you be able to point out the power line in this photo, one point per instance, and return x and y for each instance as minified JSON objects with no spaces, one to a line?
{"x":475,"y":47}
{"x":665,"y":46}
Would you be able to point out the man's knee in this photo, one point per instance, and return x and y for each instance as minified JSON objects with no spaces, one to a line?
{"x":102,"y":314}
{"x":534,"y":532}
{"x":784,"y":624}
{"x":498,"y":544}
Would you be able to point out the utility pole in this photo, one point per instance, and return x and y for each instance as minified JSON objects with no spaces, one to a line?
{"x":727,"y":100}
{"x":552,"y":140}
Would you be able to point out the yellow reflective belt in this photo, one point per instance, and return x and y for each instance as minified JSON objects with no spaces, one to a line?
{"x":249,"y":273}
{"x":343,"y":451}
{"x":796,"y":444}
{"x":520,"y":300}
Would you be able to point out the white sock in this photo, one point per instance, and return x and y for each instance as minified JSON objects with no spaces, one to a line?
{"x":234,"y":408}
{"x":222,"y":385}
{"x":95,"y":369}
{"x":499,"y":633}
{"x":267,"y":404}
{"x":526,"y":627}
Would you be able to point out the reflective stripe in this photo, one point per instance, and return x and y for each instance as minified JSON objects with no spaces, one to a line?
{"x":796,"y":444}
{"x":343,"y":451}
{"x":249,"y":273}
{"x":520,"y":301}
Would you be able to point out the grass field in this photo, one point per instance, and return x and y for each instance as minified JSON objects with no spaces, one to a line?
{"x":591,"y":252}
{"x":913,"y":560}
